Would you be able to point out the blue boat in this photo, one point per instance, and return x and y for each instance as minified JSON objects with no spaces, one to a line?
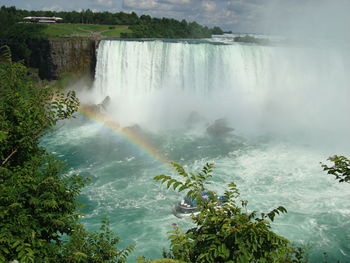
{"x":188,"y":206}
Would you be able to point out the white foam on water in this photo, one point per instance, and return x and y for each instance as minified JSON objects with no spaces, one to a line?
{"x":258,"y":89}
{"x":289,"y":106}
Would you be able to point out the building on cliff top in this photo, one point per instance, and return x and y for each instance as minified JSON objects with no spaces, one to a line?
{"x":42,"y":19}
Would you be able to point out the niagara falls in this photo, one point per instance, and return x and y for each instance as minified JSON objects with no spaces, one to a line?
{"x":175,"y":131}
{"x":287,"y":107}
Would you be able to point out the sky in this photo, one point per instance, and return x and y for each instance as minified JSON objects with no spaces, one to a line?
{"x":256,"y":16}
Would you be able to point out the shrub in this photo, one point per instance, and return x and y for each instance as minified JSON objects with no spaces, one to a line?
{"x":224,"y":230}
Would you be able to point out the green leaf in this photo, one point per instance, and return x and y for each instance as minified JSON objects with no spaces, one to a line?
{"x":175,"y":185}
{"x":170,"y":182}
{"x":183,"y":187}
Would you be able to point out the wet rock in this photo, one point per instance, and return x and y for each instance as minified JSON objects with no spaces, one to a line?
{"x":135,"y":129}
{"x":104,"y":104}
{"x":98,"y":108}
{"x":219,"y":128}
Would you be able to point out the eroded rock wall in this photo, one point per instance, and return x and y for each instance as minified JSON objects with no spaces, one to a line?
{"x":73,"y":56}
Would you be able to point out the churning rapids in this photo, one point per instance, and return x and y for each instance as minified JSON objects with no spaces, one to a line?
{"x":290,"y":110}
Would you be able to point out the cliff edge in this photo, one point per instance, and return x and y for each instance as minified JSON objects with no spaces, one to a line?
{"x":74,"y":56}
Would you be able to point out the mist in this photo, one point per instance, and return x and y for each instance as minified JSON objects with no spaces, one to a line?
{"x":288,"y":104}
{"x":297,"y":89}
{"x":307,"y":20}
{"x":296,"y":92}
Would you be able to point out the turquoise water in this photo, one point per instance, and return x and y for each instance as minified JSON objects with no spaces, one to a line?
{"x":268,"y":171}
{"x":289,"y":107}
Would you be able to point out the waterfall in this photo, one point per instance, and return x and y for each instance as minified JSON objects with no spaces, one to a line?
{"x":256,"y":88}
{"x":289,"y":107}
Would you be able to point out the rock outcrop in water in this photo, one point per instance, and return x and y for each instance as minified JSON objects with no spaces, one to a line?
{"x":219,"y":128}
{"x":104,"y":104}
{"x":134,"y":129}
{"x":100,"y":107}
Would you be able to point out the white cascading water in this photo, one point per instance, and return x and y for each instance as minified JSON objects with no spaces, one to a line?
{"x":256,"y":88}
{"x":290,"y":110}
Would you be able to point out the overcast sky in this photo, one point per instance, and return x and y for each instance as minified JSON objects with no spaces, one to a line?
{"x":236,"y":15}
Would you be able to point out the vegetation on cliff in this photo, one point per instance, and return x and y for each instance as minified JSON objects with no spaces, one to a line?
{"x":30,"y":42}
{"x":149,"y":27}
{"x":74,"y":31}
{"x":143,"y":26}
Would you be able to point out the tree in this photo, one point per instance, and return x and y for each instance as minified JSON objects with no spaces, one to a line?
{"x":340,"y":168}
{"x":224,"y":230}
{"x":97,"y":247}
{"x":37,"y":201}
{"x":38,"y":198}
{"x":217,"y":31}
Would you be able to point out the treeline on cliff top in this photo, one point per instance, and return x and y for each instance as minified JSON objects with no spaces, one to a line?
{"x":143,"y":26}
{"x":29,"y":41}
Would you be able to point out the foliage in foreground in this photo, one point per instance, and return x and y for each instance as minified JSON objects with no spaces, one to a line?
{"x":97,"y":247}
{"x":38,"y":199}
{"x":226,"y":232}
{"x":340,"y":168}
{"x":160,"y":260}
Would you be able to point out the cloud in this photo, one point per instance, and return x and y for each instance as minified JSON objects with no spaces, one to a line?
{"x":106,"y":3}
{"x":208,"y":12}
{"x":209,"y":6}
{"x":54,"y":7}
{"x":236,"y":15}
{"x":157,"y":6}
{"x":177,"y":1}
{"x":141,"y":4}
{"x":307,"y":18}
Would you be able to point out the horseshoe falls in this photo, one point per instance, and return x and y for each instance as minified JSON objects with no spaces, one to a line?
{"x":178,"y":101}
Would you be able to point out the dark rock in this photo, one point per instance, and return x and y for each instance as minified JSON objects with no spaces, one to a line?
{"x":53,"y":58}
{"x":219,"y":128}
{"x":99,"y":108}
{"x":77,"y":56}
{"x":135,"y":129}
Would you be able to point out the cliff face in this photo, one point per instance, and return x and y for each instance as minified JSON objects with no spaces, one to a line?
{"x":74,"y":56}
{"x":54,"y":57}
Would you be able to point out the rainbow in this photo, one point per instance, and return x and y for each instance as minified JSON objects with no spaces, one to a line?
{"x":127,"y":133}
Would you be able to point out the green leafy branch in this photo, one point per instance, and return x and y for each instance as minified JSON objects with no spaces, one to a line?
{"x":194,"y":182}
{"x":340,"y":169}
{"x":5,"y":53}
{"x":225,"y":231}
